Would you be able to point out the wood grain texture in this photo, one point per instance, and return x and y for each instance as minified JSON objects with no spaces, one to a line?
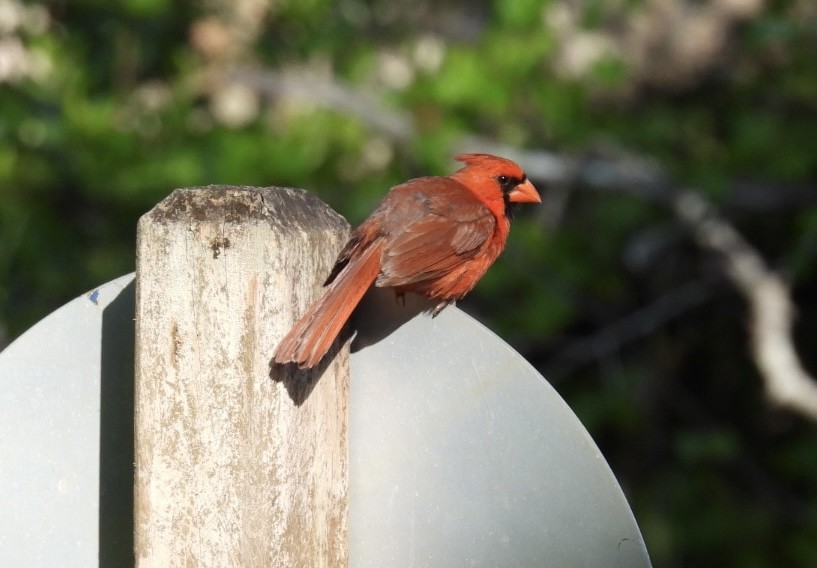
{"x":238,"y":463}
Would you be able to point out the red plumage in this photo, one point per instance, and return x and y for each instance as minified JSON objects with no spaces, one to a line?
{"x":434,"y":236}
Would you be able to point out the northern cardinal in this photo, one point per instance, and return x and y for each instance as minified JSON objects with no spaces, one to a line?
{"x":434,"y":236}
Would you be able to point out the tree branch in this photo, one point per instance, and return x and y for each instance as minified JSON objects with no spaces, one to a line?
{"x":772,"y":310}
{"x":313,"y":89}
{"x":639,"y":323}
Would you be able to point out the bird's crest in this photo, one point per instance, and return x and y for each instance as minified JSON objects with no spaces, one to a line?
{"x":491,"y":163}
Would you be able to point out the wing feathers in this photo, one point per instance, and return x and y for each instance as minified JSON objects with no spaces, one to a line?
{"x":436,"y":245}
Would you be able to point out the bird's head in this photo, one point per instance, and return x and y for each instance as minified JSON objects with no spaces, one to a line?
{"x":492,"y":176}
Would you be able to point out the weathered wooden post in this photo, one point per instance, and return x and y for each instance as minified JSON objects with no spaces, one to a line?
{"x":236,"y":464}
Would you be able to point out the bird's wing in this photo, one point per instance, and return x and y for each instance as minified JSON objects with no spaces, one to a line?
{"x":431,"y":227}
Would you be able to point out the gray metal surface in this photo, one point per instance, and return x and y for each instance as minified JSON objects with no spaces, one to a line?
{"x":461,"y":454}
{"x":52,"y":471}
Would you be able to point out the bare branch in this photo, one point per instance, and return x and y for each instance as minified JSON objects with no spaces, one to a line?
{"x":787,"y":382}
{"x":310,"y":88}
{"x":640,"y":323}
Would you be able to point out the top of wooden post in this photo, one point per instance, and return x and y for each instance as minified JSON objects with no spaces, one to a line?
{"x":284,"y":207}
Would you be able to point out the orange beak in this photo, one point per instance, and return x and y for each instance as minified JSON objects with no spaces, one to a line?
{"x":524,"y":193}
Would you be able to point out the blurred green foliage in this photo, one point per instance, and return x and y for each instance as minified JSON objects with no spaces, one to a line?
{"x":112,"y":105}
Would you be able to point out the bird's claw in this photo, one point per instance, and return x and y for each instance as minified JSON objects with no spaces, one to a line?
{"x":439,"y":307}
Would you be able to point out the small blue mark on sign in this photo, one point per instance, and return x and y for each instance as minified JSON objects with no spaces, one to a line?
{"x":94,"y":296}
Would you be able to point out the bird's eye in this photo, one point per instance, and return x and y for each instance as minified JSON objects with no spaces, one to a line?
{"x":507,"y":183}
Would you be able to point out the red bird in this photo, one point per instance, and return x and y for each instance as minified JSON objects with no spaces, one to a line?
{"x":434,"y":236}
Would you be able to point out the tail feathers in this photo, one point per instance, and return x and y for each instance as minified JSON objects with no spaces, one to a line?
{"x":312,"y":335}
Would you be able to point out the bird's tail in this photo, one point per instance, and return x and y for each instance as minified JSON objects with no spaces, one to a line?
{"x":312,"y":335}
